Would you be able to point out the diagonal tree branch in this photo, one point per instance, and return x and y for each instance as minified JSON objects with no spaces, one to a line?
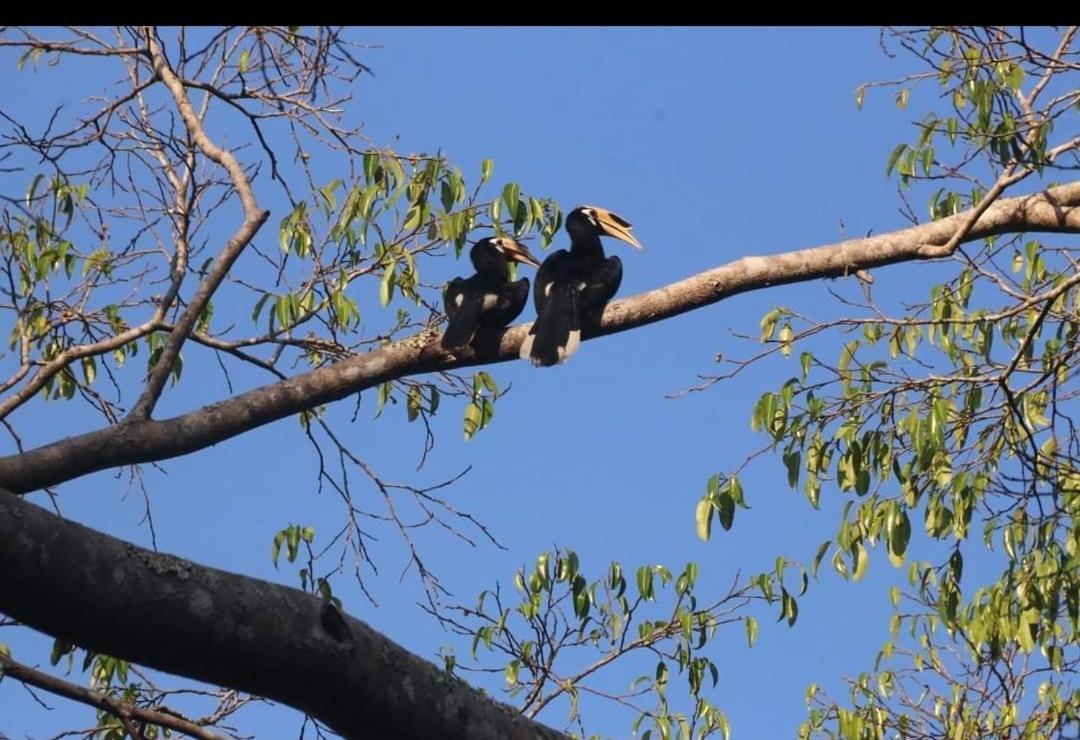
{"x":135,"y":441}
{"x":254,"y":217}
{"x":233,"y":631}
{"x":124,"y":710}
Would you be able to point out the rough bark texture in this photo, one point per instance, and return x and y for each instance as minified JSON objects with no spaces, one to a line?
{"x":138,"y":441}
{"x":161,"y":611}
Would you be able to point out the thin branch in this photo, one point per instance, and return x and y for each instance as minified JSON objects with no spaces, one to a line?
{"x":254,"y":217}
{"x":124,"y":711}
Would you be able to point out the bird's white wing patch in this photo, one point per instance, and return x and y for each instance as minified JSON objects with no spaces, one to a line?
{"x":490,"y":299}
{"x":526,"y":346}
{"x":572,"y":344}
{"x":459,"y":299}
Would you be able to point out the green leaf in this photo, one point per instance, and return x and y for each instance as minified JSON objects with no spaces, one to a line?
{"x":446,"y":195}
{"x":645,"y":582}
{"x":386,"y":285}
{"x":413,"y":217}
{"x":862,"y":560}
{"x":486,"y":168}
{"x":89,"y":368}
{"x":488,"y":383}
{"x":820,"y":554}
{"x":371,"y":166}
{"x":275,"y":547}
{"x":751,"y":631}
{"x":900,"y":149}
{"x":31,"y":192}
{"x":899,"y":533}
{"x":786,"y":335}
{"x":510,"y":195}
{"x":703,"y":517}
{"x":413,"y":403}
{"x":473,"y":416}
{"x":768,"y":323}
{"x":725,"y":509}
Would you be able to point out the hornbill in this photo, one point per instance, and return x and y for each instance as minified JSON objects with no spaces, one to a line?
{"x":573,"y":287}
{"x":487,"y":299}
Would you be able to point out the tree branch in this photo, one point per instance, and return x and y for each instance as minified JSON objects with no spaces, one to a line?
{"x":124,"y":710}
{"x":233,"y":631}
{"x":136,"y":441}
{"x":254,"y":217}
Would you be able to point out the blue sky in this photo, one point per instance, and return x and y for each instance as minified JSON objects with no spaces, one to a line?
{"x":714,"y":143}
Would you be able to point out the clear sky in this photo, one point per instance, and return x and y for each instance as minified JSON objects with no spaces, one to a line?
{"x":714,"y":143}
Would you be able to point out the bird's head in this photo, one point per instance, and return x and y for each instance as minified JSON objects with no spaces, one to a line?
{"x":514,"y":250}
{"x":585,"y":221}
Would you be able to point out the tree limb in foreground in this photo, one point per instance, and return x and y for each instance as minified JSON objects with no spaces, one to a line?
{"x":230,"y":630}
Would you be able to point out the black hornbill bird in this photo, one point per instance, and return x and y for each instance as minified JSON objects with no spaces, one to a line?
{"x":487,"y":299}
{"x":573,"y":287}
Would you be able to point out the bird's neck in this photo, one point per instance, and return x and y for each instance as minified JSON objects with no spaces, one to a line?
{"x":588,"y":246}
{"x":491,"y":264}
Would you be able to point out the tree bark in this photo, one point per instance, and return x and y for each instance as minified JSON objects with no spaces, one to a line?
{"x":158,"y":610}
{"x":137,"y":441}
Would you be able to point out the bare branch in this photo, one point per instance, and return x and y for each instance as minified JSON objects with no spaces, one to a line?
{"x":254,"y":217}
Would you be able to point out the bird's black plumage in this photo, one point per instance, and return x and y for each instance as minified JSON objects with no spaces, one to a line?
{"x":572,"y":287}
{"x":488,"y":299}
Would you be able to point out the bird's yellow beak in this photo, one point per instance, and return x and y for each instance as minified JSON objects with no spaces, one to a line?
{"x":615,"y":225}
{"x":516,"y":251}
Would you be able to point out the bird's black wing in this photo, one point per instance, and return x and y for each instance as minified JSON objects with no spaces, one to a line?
{"x":556,"y":333}
{"x":550,"y":270}
{"x":512,"y":300}
{"x":601,"y":285}
{"x":464,"y":304}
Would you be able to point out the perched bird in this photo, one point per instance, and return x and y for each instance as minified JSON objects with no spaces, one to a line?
{"x":572,"y":287}
{"x":487,"y":299}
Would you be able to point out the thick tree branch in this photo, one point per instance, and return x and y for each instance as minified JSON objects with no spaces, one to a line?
{"x":1056,"y":210}
{"x":121,"y":709}
{"x":230,"y":630}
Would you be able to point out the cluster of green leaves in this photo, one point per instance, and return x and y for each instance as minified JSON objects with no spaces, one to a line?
{"x":113,"y":678}
{"x":481,"y":407}
{"x":939,"y":450}
{"x":954,"y":419}
{"x":292,"y":537}
{"x":562,"y":628}
{"x":942,"y":441}
{"x":400,"y":209}
{"x":989,"y":118}
{"x":413,"y":204}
